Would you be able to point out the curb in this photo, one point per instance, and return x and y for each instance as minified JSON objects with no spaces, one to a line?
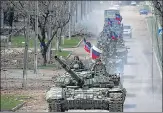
{"x":18,"y":106}
{"x":69,"y":55}
{"x":78,"y":44}
{"x":6,"y":111}
{"x":74,"y":47}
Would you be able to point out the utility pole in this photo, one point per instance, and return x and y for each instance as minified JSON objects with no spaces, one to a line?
{"x":90,"y":6}
{"x":81,"y":10}
{"x":86,"y":8}
{"x":26,"y":49}
{"x":36,"y":36}
{"x":2,"y":15}
{"x":152,"y":59}
{"x":49,"y":34}
{"x":73,"y":22}
{"x":76,"y":11}
{"x":69,"y":21}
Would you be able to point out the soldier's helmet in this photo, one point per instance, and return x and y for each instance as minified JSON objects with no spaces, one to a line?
{"x":98,"y":60}
{"x":76,"y":66}
{"x":76,"y":57}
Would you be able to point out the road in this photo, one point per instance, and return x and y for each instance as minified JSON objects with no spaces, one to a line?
{"x":142,"y":78}
{"x":141,"y":75}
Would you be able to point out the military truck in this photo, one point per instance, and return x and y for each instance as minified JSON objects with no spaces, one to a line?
{"x":93,"y":92}
{"x":110,"y":13}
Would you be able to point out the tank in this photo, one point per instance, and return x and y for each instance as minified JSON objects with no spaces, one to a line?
{"x":77,"y":66}
{"x":85,"y":91}
{"x":122,"y":53}
{"x":115,"y":65}
{"x":96,"y":72}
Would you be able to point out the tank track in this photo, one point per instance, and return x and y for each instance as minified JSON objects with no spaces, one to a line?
{"x":125,"y":60}
{"x":117,"y":102}
{"x":115,"y":78}
{"x":115,"y":107}
{"x":55,"y":106}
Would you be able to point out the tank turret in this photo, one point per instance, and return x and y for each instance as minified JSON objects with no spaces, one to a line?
{"x":80,"y":82}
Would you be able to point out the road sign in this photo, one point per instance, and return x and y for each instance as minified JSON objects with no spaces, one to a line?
{"x":160,"y":31}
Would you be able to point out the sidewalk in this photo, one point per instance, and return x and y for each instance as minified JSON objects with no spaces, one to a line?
{"x":32,"y":49}
{"x":79,"y":51}
{"x":155,"y":41}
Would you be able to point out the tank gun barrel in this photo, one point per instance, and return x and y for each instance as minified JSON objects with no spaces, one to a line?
{"x":72,"y":73}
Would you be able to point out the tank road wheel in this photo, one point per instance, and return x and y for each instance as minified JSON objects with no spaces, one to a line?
{"x":49,"y":108}
{"x":125,"y":59}
{"x":56,"y":106}
{"x":131,"y":35}
{"x":115,"y":107}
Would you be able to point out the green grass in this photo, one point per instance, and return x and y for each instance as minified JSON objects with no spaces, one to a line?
{"x":17,"y":42}
{"x":63,"y":53}
{"x":71,"y":43}
{"x":51,"y":66}
{"x":10,"y":101}
{"x":48,"y":66}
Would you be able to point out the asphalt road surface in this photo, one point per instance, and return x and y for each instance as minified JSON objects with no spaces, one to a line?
{"x":142,"y":78}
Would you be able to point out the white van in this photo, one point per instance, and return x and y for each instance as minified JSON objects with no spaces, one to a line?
{"x":133,"y":3}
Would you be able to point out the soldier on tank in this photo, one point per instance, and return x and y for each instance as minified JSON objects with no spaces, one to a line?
{"x":98,"y":67}
{"x":77,"y":63}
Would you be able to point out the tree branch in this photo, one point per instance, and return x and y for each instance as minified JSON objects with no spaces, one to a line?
{"x":49,"y":41}
{"x":21,"y":4}
{"x":39,"y":37}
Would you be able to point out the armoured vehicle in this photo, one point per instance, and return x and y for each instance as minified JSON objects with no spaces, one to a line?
{"x":80,"y":92}
{"x":121,"y":52}
{"x":77,"y":65}
{"x":97,"y":68}
{"x":114,"y":65}
{"x":127,"y":31}
{"x":110,"y":13}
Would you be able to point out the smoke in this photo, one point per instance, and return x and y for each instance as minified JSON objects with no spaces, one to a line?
{"x":94,"y":21}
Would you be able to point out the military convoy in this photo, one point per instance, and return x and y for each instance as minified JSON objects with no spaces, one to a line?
{"x":86,"y":90}
{"x":97,"y":87}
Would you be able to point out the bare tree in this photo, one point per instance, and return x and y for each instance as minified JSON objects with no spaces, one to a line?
{"x":8,"y":15}
{"x":64,"y":17}
{"x":59,"y":16}
{"x":158,"y":9}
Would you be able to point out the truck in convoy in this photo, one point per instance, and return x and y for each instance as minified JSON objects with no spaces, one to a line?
{"x":110,"y":13}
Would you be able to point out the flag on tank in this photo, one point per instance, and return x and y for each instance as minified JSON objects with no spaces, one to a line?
{"x":118,"y":22}
{"x":114,"y":36}
{"x":87,"y":46}
{"x":42,"y":45}
{"x":118,"y":17}
{"x":109,"y":22}
{"x":95,"y":52}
